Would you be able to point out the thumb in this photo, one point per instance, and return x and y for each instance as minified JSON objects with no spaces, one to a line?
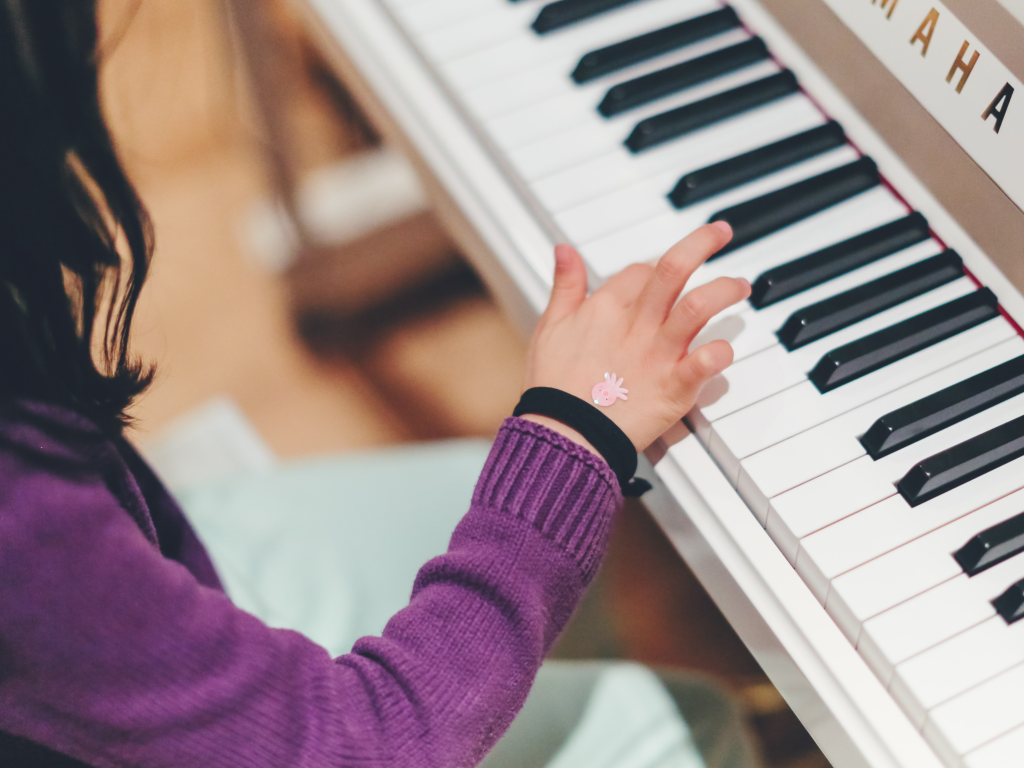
{"x":570,"y":285}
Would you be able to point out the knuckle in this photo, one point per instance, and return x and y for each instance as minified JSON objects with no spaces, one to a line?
{"x":672,"y":267}
{"x":693,"y":307}
{"x":622,"y":288}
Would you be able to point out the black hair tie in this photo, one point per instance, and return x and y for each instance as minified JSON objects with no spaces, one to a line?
{"x":600,"y":431}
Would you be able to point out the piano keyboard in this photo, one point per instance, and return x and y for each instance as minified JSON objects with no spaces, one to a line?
{"x":873,"y":419}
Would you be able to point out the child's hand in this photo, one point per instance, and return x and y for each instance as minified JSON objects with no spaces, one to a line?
{"x":632,"y":326}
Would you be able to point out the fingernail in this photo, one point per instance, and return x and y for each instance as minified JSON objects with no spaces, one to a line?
{"x":745,"y":283}
{"x":724,"y":227}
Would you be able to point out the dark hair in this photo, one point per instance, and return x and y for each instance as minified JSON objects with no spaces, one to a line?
{"x":75,"y":241}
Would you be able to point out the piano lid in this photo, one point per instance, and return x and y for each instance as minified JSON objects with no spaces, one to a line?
{"x":866,"y":50}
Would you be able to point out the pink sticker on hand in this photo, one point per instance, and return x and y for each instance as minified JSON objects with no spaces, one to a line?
{"x":608,"y":391}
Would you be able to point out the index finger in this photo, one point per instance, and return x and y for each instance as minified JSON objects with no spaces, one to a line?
{"x":675,"y":268}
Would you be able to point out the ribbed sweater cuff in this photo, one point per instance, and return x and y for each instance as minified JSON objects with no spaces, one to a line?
{"x":562,"y":489}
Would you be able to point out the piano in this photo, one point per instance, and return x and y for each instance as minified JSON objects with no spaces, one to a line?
{"x":851,"y":490}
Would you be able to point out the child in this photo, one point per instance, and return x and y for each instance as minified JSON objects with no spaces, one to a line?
{"x":118,"y":645}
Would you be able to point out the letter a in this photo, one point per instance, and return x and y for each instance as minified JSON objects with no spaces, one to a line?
{"x":1000,"y":104}
{"x":926,"y":37}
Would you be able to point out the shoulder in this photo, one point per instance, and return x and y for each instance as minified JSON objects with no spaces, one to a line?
{"x":50,"y":457}
{"x":32,"y":430}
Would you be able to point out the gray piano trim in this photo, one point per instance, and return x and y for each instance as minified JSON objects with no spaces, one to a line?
{"x":998,"y":26}
{"x":991,"y":219}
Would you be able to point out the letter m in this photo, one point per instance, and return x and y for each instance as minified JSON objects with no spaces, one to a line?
{"x":890,"y":4}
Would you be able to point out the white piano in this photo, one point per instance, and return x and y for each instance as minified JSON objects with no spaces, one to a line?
{"x":872,"y":425}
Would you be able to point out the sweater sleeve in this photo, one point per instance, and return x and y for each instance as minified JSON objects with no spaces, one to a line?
{"x":116,"y":656}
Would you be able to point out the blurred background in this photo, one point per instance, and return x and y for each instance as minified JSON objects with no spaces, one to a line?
{"x":303,"y":300}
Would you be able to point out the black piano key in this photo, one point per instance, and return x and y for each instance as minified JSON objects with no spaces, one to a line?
{"x":930,"y":414}
{"x":769,"y":213}
{"x":742,"y":169}
{"x":563,"y":12}
{"x":606,"y":60}
{"x":1010,"y":604}
{"x":691,"y":117}
{"x":861,"y":357}
{"x":829,"y":263}
{"x":646,"y":88}
{"x":991,"y":547}
{"x":844,"y":309}
{"x":957,"y":465}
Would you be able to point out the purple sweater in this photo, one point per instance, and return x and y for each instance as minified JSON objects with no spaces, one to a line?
{"x":118,"y":646}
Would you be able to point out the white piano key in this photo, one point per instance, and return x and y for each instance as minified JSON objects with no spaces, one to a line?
{"x":620,"y":167}
{"x":805,"y":410}
{"x":402,"y":5}
{"x":714,"y":404}
{"x":531,"y":130}
{"x":649,"y":239}
{"x":910,"y":570}
{"x":869,"y":209}
{"x":478,"y":32}
{"x":617,"y":210}
{"x":571,"y":130}
{"x":818,"y":450}
{"x":934,"y":616}
{"x":881,"y":382}
{"x":883,"y":527}
{"x":1000,"y":752}
{"x":740,"y":328}
{"x":860,"y":213}
{"x":561,"y":113}
{"x":566,"y":149}
{"x":748,"y":381}
{"x":508,"y":58}
{"x":764,"y":323}
{"x":567,"y":46}
{"x":977,"y":716}
{"x":897,"y":464}
{"x":808,"y":356}
{"x":648,"y":199}
{"x":872,"y":208}
{"x":736,"y":436}
{"x":952,"y":667}
{"x":510,"y":94}
{"x":771,"y":473}
{"x":767,"y":423}
{"x":423,"y":17}
{"x":550,"y":83}
{"x":812,"y":506}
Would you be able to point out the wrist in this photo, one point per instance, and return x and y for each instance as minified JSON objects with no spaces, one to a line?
{"x":587,"y":427}
{"x":562,"y":429}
